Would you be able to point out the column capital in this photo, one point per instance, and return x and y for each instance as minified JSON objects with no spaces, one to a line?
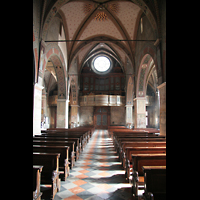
{"x":129,"y":105}
{"x":38,"y":86}
{"x":61,"y":100}
{"x":75,"y":106}
{"x":139,"y":98}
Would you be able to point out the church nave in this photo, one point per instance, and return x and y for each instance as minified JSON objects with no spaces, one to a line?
{"x":97,"y":174}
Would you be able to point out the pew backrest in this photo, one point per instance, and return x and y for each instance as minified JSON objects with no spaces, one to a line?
{"x":155,"y":181}
{"x":139,"y":160}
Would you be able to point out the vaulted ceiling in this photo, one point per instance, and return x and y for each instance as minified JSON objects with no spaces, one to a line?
{"x":98,"y":26}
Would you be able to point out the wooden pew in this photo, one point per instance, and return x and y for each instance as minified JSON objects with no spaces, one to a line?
{"x":85,"y":132}
{"x":129,"y":133}
{"x":113,"y":128}
{"x":120,"y":141}
{"x":127,"y":159}
{"x":91,"y":129}
{"x":143,"y":144}
{"x":154,"y":182}
{"x":50,"y":173}
{"x":59,"y":143}
{"x":140,"y":160}
{"x":81,"y":135}
{"x":76,"y":140}
{"x":140,"y":143}
{"x":37,"y":169}
{"x":68,"y":135}
{"x":121,"y":135}
{"x":149,"y":130}
{"x":61,"y":136}
{"x":63,"y":160}
{"x":125,"y":130}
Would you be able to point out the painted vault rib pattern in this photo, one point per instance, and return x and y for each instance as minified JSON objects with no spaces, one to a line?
{"x":97,"y":174}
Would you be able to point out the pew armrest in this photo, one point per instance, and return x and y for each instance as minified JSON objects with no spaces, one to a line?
{"x":55,"y":175}
{"x":56,"y":182}
{"x":128,"y":169}
{"x":72,"y":159}
{"x":66,"y":168}
{"x":36,"y":195}
{"x":148,"y":196}
{"x":135,"y":176}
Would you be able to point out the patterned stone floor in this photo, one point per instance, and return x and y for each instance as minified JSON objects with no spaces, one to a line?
{"x":97,"y":174}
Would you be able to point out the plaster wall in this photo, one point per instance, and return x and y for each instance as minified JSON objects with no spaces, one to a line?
{"x":86,"y":115}
{"x":37,"y":110}
{"x":118,"y":115}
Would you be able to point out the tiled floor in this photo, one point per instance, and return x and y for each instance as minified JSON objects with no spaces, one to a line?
{"x":97,"y":174}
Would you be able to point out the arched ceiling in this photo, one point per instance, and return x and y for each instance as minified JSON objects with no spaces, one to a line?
{"x":101,"y":21}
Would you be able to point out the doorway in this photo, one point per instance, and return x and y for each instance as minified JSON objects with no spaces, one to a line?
{"x":101,"y":117}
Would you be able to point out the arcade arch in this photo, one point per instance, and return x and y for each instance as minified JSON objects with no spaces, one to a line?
{"x":147,"y":95}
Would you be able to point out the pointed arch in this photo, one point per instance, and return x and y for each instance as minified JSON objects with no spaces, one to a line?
{"x":147,"y":55}
{"x":55,"y":55}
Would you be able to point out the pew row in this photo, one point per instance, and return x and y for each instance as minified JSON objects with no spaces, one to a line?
{"x":154,"y":182}
{"x":140,"y":143}
{"x":50,"y":172}
{"x":63,"y":160}
{"x":125,"y":130}
{"x":83,"y":137}
{"x":76,"y":140}
{"x":37,"y":169}
{"x":81,"y":130}
{"x":140,"y":160}
{"x":127,"y":159}
{"x":71,"y":157}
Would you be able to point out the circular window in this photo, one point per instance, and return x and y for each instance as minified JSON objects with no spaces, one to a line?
{"x":101,"y":64}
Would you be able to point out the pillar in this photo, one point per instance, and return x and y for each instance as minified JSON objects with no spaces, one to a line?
{"x":157,"y":110}
{"x":162,"y":92}
{"x":140,"y":112}
{"x":37,"y":109}
{"x":74,"y":115}
{"x":62,"y":113}
{"x":129,"y":119}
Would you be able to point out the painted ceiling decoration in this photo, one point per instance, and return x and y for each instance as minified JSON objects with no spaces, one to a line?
{"x":87,"y":7}
{"x":101,"y":26}
{"x":101,"y":16}
{"x":114,"y":7}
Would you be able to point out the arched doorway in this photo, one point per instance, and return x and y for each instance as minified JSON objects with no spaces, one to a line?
{"x":101,"y":117}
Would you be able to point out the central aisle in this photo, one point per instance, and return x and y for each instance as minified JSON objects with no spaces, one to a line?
{"x":97,"y":174}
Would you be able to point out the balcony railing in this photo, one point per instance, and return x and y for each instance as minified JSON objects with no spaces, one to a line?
{"x":102,"y":100}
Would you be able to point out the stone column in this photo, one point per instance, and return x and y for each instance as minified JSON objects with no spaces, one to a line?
{"x":129,"y":119}
{"x":162,"y":91}
{"x":74,"y":115}
{"x":62,"y":113}
{"x":157,"y":110}
{"x":140,"y":112}
{"x":37,"y":109}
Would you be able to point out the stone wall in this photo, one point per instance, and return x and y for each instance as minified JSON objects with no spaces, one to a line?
{"x":117,"y":115}
{"x":86,"y":115}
